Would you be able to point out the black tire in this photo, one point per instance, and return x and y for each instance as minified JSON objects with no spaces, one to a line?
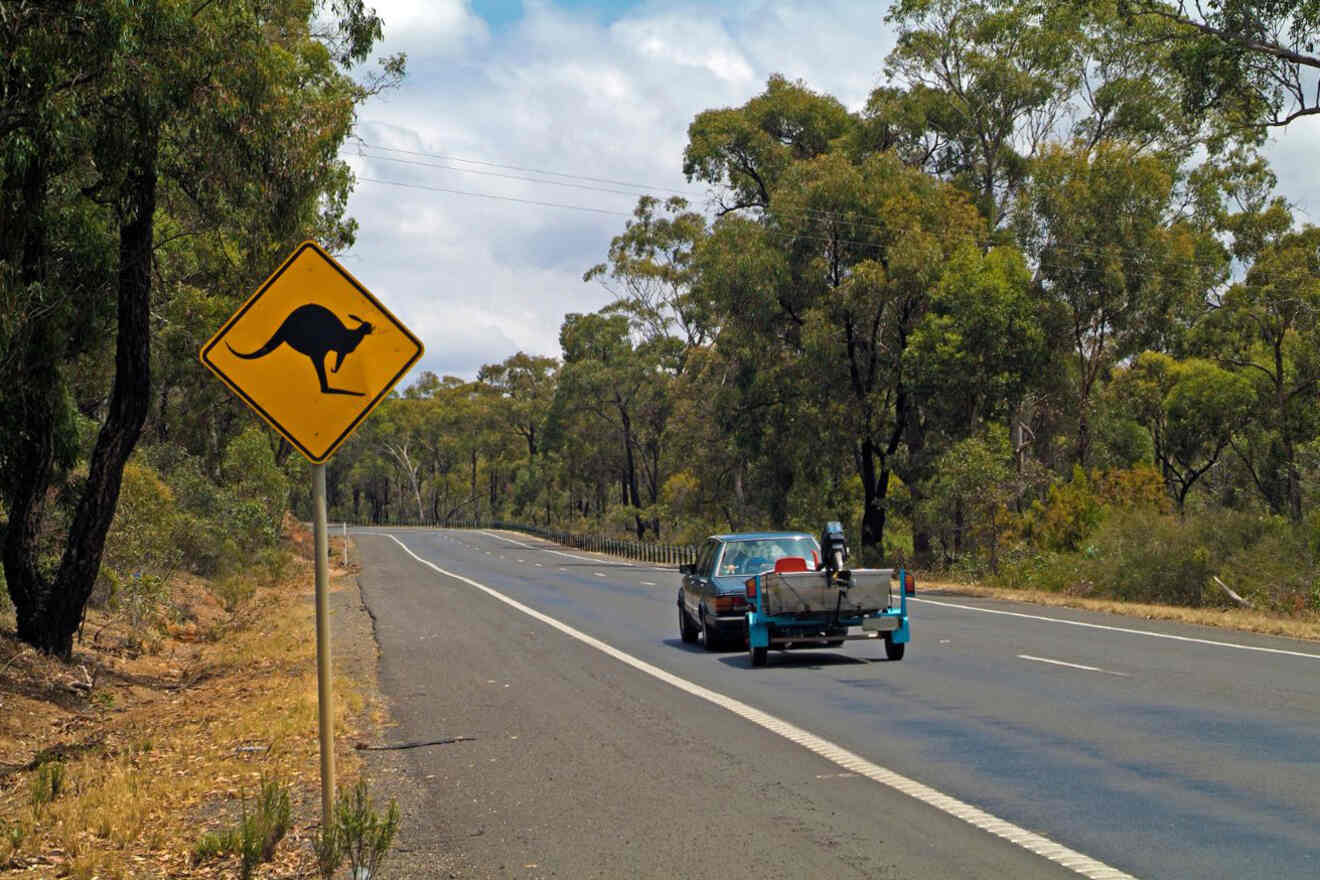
{"x":709,"y":635}
{"x":759,"y":655}
{"x":686,"y":630}
{"x":894,"y":650}
{"x":834,"y":643}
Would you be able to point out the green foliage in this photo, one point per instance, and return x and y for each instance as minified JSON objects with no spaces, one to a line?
{"x":143,"y":548}
{"x":1068,"y":515}
{"x":214,"y":844}
{"x":47,"y":784}
{"x":1269,"y":560}
{"x":968,"y":497}
{"x":359,"y":833}
{"x":232,"y":590}
{"x":259,"y":830}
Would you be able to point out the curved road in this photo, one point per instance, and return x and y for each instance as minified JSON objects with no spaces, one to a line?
{"x":1134,"y":747}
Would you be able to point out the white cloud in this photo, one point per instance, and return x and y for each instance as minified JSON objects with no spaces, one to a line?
{"x":431,"y":28}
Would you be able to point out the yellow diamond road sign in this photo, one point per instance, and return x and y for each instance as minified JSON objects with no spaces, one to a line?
{"x":312,"y":351}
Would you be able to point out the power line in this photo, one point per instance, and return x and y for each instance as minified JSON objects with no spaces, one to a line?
{"x":460,"y":192}
{"x":801,"y":213}
{"x":421,"y":164}
{"x":449,"y":158}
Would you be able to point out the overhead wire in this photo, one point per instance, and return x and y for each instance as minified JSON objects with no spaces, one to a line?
{"x":801,"y":213}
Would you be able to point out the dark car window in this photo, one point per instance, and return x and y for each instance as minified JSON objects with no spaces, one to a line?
{"x":757,"y":555}
{"x":706,"y":559}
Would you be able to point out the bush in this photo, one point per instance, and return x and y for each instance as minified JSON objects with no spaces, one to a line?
{"x":47,"y":784}
{"x":142,"y":548}
{"x":1144,"y":556}
{"x":257,"y":834}
{"x":1270,"y":561}
{"x":358,"y":833}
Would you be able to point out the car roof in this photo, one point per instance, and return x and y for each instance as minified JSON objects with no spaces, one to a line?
{"x":759,"y":536}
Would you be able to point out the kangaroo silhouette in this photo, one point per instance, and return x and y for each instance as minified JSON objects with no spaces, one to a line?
{"x":315,"y":331}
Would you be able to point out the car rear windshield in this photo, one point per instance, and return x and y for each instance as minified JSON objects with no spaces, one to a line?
{"x":754,"y":556}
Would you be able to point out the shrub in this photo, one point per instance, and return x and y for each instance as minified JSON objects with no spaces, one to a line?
{"x":359,"y":834}
{"x":1144,"y":556}
{"x":1068,"y":515}
{"x":142,"y":548}
{"x":47,"y":784}
{"x":258,"y":832}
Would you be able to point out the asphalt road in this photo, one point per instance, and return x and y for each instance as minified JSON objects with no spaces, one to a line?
{"x":1154,"y":749}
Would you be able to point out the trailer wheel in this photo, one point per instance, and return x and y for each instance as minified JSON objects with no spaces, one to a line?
{"x":894,"y":650}
{"x":686,"y":630}
{"x":758,"y":655}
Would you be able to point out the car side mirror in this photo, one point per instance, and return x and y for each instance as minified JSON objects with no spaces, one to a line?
{"x":685,"y":568}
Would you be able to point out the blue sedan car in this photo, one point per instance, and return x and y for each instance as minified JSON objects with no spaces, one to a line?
{"x":712,"y":602}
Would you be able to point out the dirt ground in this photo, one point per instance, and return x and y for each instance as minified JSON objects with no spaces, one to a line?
{"x":154,"y":740}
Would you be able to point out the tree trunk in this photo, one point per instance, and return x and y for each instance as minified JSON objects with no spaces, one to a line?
{"x":28,"y":399}
{"x":874,"y":489}
{"x":51,"y":629}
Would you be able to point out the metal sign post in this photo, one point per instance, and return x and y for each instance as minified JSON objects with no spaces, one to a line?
{"x":324,"y":694}
{"x":274,"y":353}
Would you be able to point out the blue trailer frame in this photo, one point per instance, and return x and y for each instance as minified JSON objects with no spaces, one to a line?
{"x":818,"y":626}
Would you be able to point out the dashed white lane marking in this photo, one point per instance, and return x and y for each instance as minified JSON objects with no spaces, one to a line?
{"x":1071,"y":665}
{"x":599,"y":574}
{"x":1028,"y":840}
{"x":648,"y":584}
{"x":1121,"y":629}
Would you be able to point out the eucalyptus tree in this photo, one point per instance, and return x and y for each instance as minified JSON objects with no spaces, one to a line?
{"x":976,"y":88}
{"x":524,"y":387}
{"x":1254,"y":61}
{"x":651,"y":273}
{"x":128,"y":131}
{"x":1192,"y":409}
{"x":1110,"y":247}
{"x":743,"y":151}
{"x":1267,"y":328}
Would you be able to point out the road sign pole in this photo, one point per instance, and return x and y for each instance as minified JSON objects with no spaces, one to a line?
{"x":324,"y":696}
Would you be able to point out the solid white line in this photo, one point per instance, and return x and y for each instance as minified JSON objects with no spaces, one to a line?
{"x":1029,"y":840}
{"x":1072,"y":665}
{"x":1122,"y":629}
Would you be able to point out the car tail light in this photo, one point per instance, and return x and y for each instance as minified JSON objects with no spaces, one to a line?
{"x":909,"y":584}
{"x":751,"y":588}
{"x":726,"y":604}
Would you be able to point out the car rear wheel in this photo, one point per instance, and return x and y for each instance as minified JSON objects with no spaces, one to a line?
{"x":709,"y":635}
{"x":687,"y":631}
{"x":758,"y":655}
{"x":894,"y":650}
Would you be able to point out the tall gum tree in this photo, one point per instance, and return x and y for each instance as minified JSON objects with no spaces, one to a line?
{"x":105,"y":108}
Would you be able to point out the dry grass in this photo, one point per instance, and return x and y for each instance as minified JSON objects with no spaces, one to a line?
{"x":164,"y":745}
{"x":1242,"y":619}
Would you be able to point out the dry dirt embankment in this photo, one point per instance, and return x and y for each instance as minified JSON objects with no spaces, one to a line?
{"x":150,"y":745}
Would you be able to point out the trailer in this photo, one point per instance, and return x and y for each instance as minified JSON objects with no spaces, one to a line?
{"x":792,"y":606}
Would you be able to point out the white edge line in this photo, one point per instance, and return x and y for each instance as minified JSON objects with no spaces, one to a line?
{"x":1072,"y":665}
{"x":1028,"y":840}
{"x":1122,"y":629}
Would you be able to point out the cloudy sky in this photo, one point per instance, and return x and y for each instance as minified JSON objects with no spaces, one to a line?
{"x":526,"y":129}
